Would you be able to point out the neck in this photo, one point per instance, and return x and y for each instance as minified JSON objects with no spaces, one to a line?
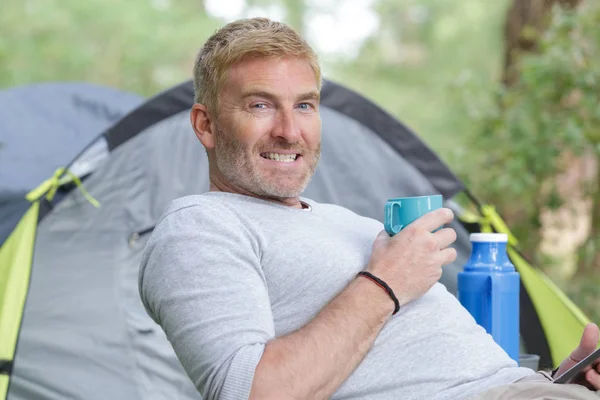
{"x":220,"y":185}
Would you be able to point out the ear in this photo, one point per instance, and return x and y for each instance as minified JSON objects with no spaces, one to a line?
{"x":202,"y":124}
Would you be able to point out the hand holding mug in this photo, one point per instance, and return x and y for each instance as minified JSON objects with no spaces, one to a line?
{"x":401,"y":211}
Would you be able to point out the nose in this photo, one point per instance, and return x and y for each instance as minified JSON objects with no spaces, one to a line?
{"x":286,"y":127}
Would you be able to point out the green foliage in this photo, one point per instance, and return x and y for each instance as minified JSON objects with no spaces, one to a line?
{"x":137,"y":45}
{"x":528,"y":132}
{"x":146,"y":46}
{"x":409,"y":65}
{"x":583,"y":290}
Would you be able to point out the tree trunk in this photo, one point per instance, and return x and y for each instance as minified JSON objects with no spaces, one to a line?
{"x":594,"y":236}
{"x":525,"y":21}
{"x":589,"y":263}
{"x":567,"y":230}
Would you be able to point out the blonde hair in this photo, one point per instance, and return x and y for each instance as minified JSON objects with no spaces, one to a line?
{"x":257,"y":37}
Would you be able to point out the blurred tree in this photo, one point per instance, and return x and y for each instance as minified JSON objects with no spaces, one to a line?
{"x":410,"y":63}
{"x":142,"y":46}
{"x":541,"y":138}
{"x":294,"y":10}
{"x":145,"y":46}
{"x":525,"y":21}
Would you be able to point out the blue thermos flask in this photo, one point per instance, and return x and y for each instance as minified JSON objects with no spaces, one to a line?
{"x":488,"y":288}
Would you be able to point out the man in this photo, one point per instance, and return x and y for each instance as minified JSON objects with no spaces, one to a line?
{"x":257,"y":288}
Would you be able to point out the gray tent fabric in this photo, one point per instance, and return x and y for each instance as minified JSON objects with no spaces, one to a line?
{"x":44,"y":126}
{"x":83,"y":314}
{"x":11,"y":211}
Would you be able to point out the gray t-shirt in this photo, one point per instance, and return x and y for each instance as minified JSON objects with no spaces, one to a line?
{"x":223,"y":274}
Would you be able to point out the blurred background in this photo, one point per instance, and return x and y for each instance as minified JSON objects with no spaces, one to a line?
{"x":505,"y":91}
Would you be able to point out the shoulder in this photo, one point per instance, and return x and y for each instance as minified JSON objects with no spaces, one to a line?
{"x":195,"y":210}
{"x":200,"y":204}
{"x":200,"y":222}
{"x":196,"y":233}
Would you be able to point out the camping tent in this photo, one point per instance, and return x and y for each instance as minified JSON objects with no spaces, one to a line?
{"x":44,"y":125}
{"x":83,"y":333}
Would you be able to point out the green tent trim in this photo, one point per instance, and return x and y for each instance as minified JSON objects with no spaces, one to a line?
{"x":16,"y":256}
{"x":562,"y":321}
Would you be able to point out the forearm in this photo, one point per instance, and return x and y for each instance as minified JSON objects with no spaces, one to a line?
{"x":312,"y":362}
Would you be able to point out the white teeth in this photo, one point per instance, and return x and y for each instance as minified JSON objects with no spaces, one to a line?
{"x":280,"y":157}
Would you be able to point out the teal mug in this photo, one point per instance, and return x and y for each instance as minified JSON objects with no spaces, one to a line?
{"x":401,"y":211}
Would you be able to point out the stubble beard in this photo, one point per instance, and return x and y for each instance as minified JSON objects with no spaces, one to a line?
{"x":234,"y":161}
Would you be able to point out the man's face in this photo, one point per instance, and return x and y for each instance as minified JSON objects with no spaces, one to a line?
{"x":268,"y":132}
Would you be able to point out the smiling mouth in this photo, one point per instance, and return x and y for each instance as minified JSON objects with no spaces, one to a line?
{"x":286,"y":158}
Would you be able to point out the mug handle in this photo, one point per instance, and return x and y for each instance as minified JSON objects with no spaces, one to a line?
{"x":390,"y":227}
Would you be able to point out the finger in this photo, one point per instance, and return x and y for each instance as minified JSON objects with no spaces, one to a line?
{"x":593,"y":378}
{"x":434,"y":219}
{"x":447,"y":255}
{"x":445,"y":237}
{"x":587,"y":344}
{"x":590,"y":336}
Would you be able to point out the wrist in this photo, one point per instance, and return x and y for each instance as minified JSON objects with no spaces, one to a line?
{"x":384,"y":286}
{"x":375,"y":296}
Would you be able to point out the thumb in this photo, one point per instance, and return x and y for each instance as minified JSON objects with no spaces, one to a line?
{"x":587,"y":344}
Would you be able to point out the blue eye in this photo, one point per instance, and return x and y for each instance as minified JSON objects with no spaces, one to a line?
{"x":259,"y":105}
{"x":304,"y":106}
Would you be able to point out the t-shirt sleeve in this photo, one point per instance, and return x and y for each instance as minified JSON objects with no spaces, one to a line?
{"x":201,"y":281}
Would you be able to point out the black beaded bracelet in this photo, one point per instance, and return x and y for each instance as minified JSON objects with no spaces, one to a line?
{"x":384,"y":286}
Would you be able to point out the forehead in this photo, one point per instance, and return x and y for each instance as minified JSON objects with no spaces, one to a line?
{"x":288,"y":74}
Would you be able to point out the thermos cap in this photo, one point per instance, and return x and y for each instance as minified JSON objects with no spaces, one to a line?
{"x":489,"y":237}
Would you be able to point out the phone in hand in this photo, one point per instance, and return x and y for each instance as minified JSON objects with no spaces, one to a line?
{"x":576,"y":374}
